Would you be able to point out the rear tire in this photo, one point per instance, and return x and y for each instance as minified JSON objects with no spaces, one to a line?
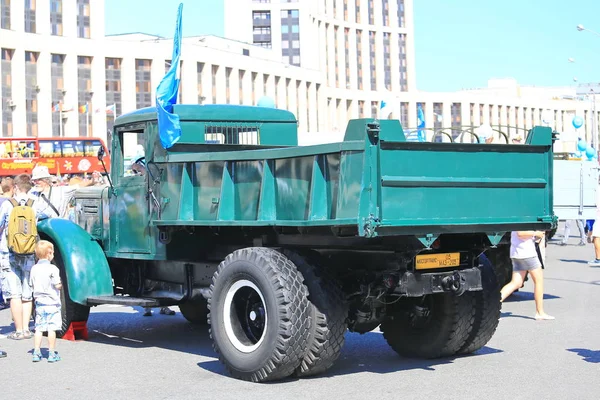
{"x":327,"y":311}
{"x":500,"y":259}
{"x":195,"y":311}
{"x":258,"y":314}
{"x":70,"y":311}
{"x":487,"y":309}
{"x":440,"y":334}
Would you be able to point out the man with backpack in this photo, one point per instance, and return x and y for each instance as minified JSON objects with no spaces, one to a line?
{"x":7,"y":188}
{"x":18,"y":237}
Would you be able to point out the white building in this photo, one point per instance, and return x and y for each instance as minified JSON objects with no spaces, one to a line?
{"x":325,"y":60}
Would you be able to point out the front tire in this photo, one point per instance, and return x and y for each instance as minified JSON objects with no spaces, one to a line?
{"x":70,"y":311}
{"x":440,"y":328}
{"x":258,"y":314}
{"x":195,"y":311}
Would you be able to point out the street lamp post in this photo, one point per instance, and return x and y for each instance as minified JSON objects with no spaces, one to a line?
{"x":594,"y":120}
{"x":581,"y":28}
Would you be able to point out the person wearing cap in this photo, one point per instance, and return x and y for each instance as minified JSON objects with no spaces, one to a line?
{"x":53,"y":200}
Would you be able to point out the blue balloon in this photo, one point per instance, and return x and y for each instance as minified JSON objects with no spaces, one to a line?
{"x":577,"y":122}
{"x":590,"y":153}
{"x":582,"y":145}
{"x":266,"y":101}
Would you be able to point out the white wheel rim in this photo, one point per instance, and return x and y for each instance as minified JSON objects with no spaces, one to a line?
{"x":241,"y":327}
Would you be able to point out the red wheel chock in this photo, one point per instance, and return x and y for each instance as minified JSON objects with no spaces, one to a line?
{"x":77,"y":331}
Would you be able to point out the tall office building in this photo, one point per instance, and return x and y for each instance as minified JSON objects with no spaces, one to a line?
{"x":362,"y":49}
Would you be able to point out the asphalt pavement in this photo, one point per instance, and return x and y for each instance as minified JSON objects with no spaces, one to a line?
{"x":129,"y":356}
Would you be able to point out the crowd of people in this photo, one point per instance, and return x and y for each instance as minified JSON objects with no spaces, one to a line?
{"x":27,"y":276}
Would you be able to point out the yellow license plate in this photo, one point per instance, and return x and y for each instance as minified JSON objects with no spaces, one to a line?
{"x":442,"y":260}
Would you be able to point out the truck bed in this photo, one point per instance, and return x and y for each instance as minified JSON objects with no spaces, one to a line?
{"x":374,"y":183}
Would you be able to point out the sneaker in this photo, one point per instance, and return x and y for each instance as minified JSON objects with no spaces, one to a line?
{"x":53,"y":357}
{"x":2,"y":354}
{"x":166,"y":311}
{"x":27,"y":334}
{"x":148,"y":313}
{"x":37,"y":356}
{"x":594,"y":263}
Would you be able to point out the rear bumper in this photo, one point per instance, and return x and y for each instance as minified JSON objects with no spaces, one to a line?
{"x":457,"y":282}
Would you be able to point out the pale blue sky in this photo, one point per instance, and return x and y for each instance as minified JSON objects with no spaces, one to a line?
{"x":458,"y":43}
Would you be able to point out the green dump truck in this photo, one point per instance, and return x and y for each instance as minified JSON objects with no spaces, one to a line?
{"x":280,"y":249}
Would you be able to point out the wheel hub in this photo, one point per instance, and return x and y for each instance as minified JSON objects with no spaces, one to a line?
{"x":245,"y":316}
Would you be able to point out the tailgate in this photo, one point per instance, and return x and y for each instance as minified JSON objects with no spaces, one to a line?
{"x":466,"y":187}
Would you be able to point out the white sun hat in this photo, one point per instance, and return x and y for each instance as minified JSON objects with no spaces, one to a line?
{"x":40,"y":172}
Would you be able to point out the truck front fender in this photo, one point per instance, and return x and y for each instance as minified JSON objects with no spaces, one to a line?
{"x":86,"y":267}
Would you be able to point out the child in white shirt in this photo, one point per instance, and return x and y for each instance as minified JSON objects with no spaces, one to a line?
{"x":46,"y":284}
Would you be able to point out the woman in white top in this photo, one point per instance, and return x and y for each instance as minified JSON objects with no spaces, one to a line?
{"x":525,"y":260}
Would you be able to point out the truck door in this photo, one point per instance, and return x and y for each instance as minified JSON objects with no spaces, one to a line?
{"x":129,"y":207}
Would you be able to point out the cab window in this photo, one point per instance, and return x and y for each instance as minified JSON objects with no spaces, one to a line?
{"x":132,"y":144}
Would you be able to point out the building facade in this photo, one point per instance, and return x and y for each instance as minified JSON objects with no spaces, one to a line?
{"x":326,"y":61}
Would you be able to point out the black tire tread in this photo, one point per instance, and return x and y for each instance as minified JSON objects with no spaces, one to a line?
{"x":292,"y":298}
{"x":328,"y":310}
{"x":487,"y":310}
{"x":446,"y":334}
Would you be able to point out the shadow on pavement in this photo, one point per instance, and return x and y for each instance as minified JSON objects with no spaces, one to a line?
{"x":527,"y":296}
{"x":171,"y":332}
{"x":591,"y":356}
{"x":367,"y":353}
{"x":574,"y":281}
{"x":361,"y":353}
{"x":572,"y":261}
{"x":509,"y":314}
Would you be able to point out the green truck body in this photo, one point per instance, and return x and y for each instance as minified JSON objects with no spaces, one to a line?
{"x":282,"y":248}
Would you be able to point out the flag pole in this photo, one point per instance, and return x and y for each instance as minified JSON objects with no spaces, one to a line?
{"x":60,"y":127}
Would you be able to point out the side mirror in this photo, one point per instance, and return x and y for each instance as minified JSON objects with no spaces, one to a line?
{"x":101,"y":153}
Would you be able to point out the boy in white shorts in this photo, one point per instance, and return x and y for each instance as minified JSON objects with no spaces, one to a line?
{"x":46,"y":284}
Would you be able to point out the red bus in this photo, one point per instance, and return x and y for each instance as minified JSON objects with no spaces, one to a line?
{"x":62,"y":155}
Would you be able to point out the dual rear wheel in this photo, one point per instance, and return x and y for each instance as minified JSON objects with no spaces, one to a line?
{"x":272,"y":315}
{"x":443,"y":325}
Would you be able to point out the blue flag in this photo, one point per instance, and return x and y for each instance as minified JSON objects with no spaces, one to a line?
{"x":420,"y":124}
{"x":169,"y":129}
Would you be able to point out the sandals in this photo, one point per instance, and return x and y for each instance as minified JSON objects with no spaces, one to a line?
{"x":16,"y":335}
